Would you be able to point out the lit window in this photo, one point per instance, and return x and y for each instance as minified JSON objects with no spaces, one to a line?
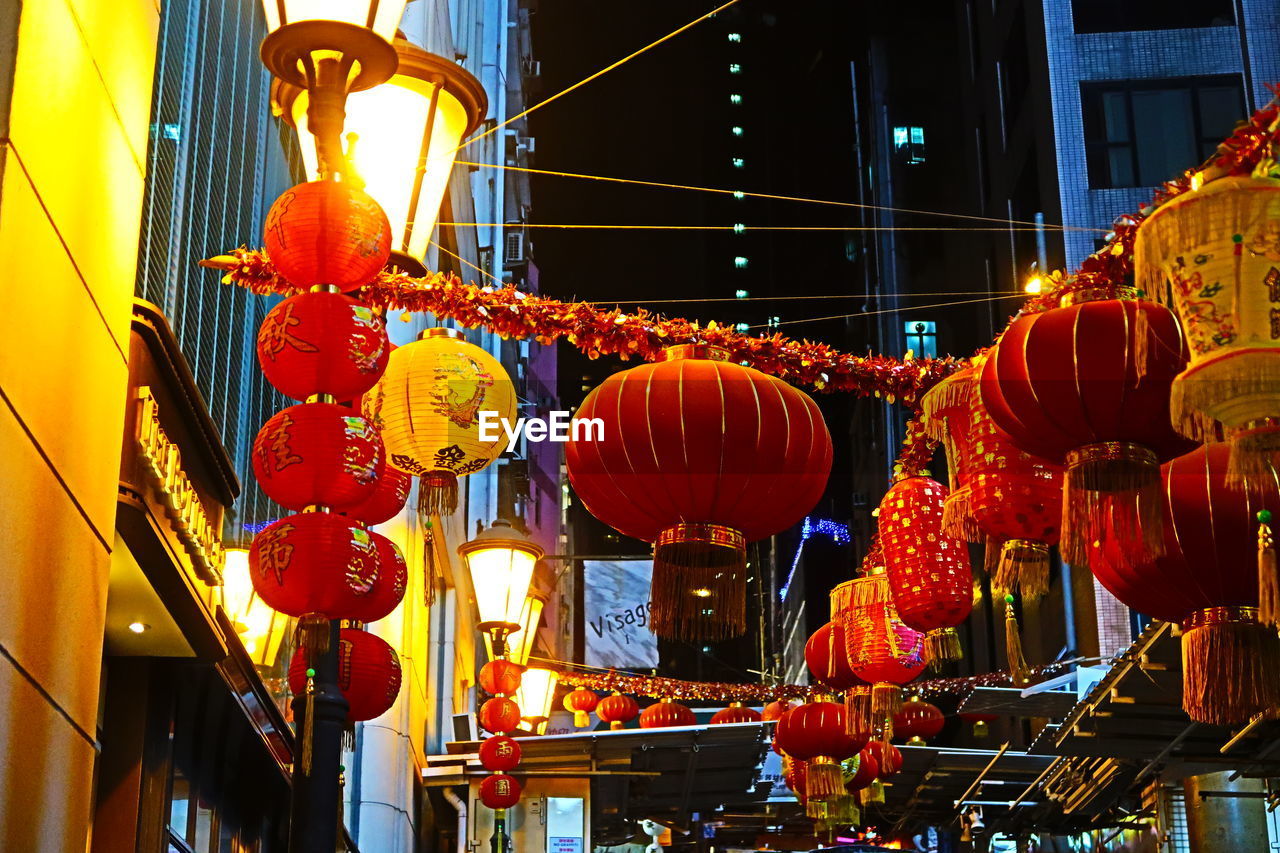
{"x":735,"y":68}
{"x":735,"y":98}
{"x":739,"y":262}
{"x":739,"y":195}
{"x":740,"y":294}
{"x":921,"y":337}
{"x":736,"y":130}
{"x":173,"y":131}
{"x":738,"y":228}
{"x":735,"y":37}
{"x":738,"y":162}
{"x":775,"y":321}
{"x":908,"y":142}
{"x":742,"y":327}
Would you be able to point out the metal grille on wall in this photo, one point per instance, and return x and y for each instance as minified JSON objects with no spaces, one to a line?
{"x":215,"y":160}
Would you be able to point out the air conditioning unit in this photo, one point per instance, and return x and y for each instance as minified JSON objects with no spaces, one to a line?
{"x":513,"y":248}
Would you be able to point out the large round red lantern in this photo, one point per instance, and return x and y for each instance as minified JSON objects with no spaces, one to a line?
{"x":322,"y":343}
{"x":1087,"y":385}
{"x":499,"y":791}
{"x":327,"y":233}
{"x":867,"y":771}
{"x":500,"y":715}
{"x":1207,"y":581}
{"x":826,"y":653}
{"x":666,"y":714}
{"x":699,"y":456}
{"x":918,"y":721}
{"x":883,"y":651}
{"x":499,"y":754}
{"x":500,"y":677}
{"x":317,"y":454}
{"x":581,"y":702}
{"x":388,"y":498}
{"x":368,"y":674}
{"x":928,"y":570}
{"x":617,"y":710}
{"x":735,"y":713}
{"x":815,"y":732}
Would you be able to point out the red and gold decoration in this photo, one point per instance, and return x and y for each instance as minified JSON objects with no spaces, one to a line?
{"x":327,"y":233}
{"x":428,"y":406}
{"x":499,"y":791}
{"x":735,"y":713}
{"x":388,"y":590}
{"x":945,"y":417}
{"x":322,"y":343}
{"x":499,"y":754}
{"x":927,"y":569}
{"x":888,"y":758}
{"x":699,"y":456}
{"x":815,"y":733}
{"x":1206,"y":581}
{"x":918,"y":721}
{"x":317,"y":454}
{"x":500,"y":677}
{"x":826,"y":653}
{"x":581,"y":702}
{"x":617,"y":709}
{"x":665,"y":714}
{"x":387,"y":499}
{"x":500,"y":715}
{"x":1217,"y":250}
{"x":774,"y":710}
{"x":866,"y":770}
{"x":368,"y":674}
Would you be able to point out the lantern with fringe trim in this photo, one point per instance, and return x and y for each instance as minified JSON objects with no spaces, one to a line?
{"x":499,"y":754}
{"x":499,"y":791}
{"x":883,"y":651}
{"x":699,"y":456}
{"x":1087,"y":385}
{"x":1218,"y":250}
{"x":735,"y":713}
{"x":794,"y":773}
{"x":429,"y":404}
{"x":317,"y":454}
{"x":918,"y":721}
{"x":327,"y":233}
{"x":666,"y":713}
{"x":928,"y":570}
{"x":617,"y":710}
{"x":581,"y":703}
{"x":1207,"y":580}
{"x":888,"y":758}
{"x":368,"y":674}
{"x":945,"y":415}
{"x":826,"y":653}
{"x":815,"y":733}
{"x":322,"y":343}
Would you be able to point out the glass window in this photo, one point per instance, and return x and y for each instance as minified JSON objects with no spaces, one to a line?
{"x":738,"y":162}
{"x":735,"y":68}
{"x":1113,"y":16}
{"x":735,"y":37}
{"x":739,"y":262}
{"x":921,"y":337}
{"x":740,"y":294}
{"x":736,"y":130}
{"x":908,"y":144}
{"x":735,"y":98}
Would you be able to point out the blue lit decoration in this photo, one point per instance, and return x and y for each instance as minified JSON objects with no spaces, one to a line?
{"x":257,"y":527}
{"x":838,"y":531}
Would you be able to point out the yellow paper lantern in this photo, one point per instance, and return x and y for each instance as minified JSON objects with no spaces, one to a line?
{"x":1217,"y":251}
{"x":428,"y":405}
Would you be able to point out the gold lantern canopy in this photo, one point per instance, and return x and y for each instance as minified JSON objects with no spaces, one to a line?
{"x":405,"y":137}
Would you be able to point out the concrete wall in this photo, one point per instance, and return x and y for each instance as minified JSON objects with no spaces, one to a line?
{"x":70,"y":202}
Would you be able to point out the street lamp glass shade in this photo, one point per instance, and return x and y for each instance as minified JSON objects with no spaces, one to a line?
{"x":407,"y":132}
{"x":521,"y":644}
{"x":381,"y":16}
{"x":501,"y":561}
{"x":536,"y":694}
{"x":261,"y":629}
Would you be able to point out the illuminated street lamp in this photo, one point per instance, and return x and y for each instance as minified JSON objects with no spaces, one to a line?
{"x":261,"y":629}
{"x":501,"y":561}
{"x":406,"y":136}
{"x":330,"y":48}
{"x":535,"y":697}
{"x":519,"y":649}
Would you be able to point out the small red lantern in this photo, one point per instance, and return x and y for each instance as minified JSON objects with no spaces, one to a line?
{"x":327,"y":233}
{"x":795,"y":774}
{"x":368,"y":674}
{"x":317,"y":454}
{"x":699,"y":455}
{"x":918,"y":721}
{"x":735,"y":713}
{"x":499,"y":753}
{"x":387,"y":499}
{"x":827,"y":657}
{"x":501,"y":677}
{"x":499,"y":791}
{"x":617,"y":710}
{"x":581,"y":702}
{"x":928,"y":570}
{"x":500,"y":715}
{"x":888,"y":756}
{"x":322,"y":343}
{"x":815,"y":732}
{"x":867,"y":771}
{"x":666,"y":714}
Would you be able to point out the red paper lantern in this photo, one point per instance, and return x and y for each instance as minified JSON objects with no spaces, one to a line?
{"x":699,"y":456}
{"x":499,"y":791}
{"x":945,"y":416}
{"x":928,"y":569}
{"x":868,"y":770}
{"x":388,"y":497}
{"x":500,"y":677}
{"x":581,"y":702}
{"x":918,"y":721}
{"x":775,"y":709}
{"x":827,"y":657}
{"x":795,"y":774}
{"x":499,"y":753}
{"x":327,"y":233}
{"x":888,"y":757}
{"x":617,"y":710}
{"x":393,"y":579}
{"x":500,"y":715}
{"x":317,"y":454}
{"x":666,"y":714}
{"x":735,"y":713}
{"x":322,"y":343}
{"x":1207,"y":581}
{"x":368,"y":674}
{"x":815,"y":732}
{"x":1087,"y":385}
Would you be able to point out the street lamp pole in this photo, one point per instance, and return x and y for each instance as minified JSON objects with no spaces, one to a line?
{"x":314,"y":809}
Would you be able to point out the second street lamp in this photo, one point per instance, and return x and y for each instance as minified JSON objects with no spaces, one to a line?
{"x":501,"y":561}
{"x":521,"y":646}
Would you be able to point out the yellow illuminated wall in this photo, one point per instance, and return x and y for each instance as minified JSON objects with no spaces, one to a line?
{"x":70,"y":203}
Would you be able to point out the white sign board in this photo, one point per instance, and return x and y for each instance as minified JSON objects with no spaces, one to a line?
{"x":616,"y":614}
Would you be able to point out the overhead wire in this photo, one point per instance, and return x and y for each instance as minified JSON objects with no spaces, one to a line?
{"x":737,"y":229}
{"x":887,"y":311}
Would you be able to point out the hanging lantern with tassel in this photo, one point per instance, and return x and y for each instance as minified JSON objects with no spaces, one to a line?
{"x":581,"y":703}
{"x":617,"y":710}
{"x":918,"y":721}
{"x":945,"y":417}
{"x":698,"y":455}
{"x":1087,"y":385}
{"x":928,"y":570}
{"x":1217,"y":249}
{"x":428,"y":406}
{"x":815,"y":733}
{"x":826,"y":653}
{"x":888,"y":758}
{"x":369,"y":674}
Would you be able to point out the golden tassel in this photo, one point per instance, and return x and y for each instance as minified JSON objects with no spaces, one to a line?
{"x":942,"y":645}
{"x":430,"y":571}
{"x":873,"y":793}
{"x":1268,"y":579}
{"x":699,"y":587}
{"x":1023,"y":568}
{"x":341,"y":845}
{"x":1019,"y":672}
{"x":437,"y":493}
{"x":308,"y":722}
{"x":313,"y":635}
{"x":886,"y":700}
{"x":823,"y":779}
{"x":1111,"y":491}
{"x":991,"y":558}
{"x":1228,"y":666}
{"x":857,"y":711}
{"x":580,"y":719}
{"x":816,"y":809}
